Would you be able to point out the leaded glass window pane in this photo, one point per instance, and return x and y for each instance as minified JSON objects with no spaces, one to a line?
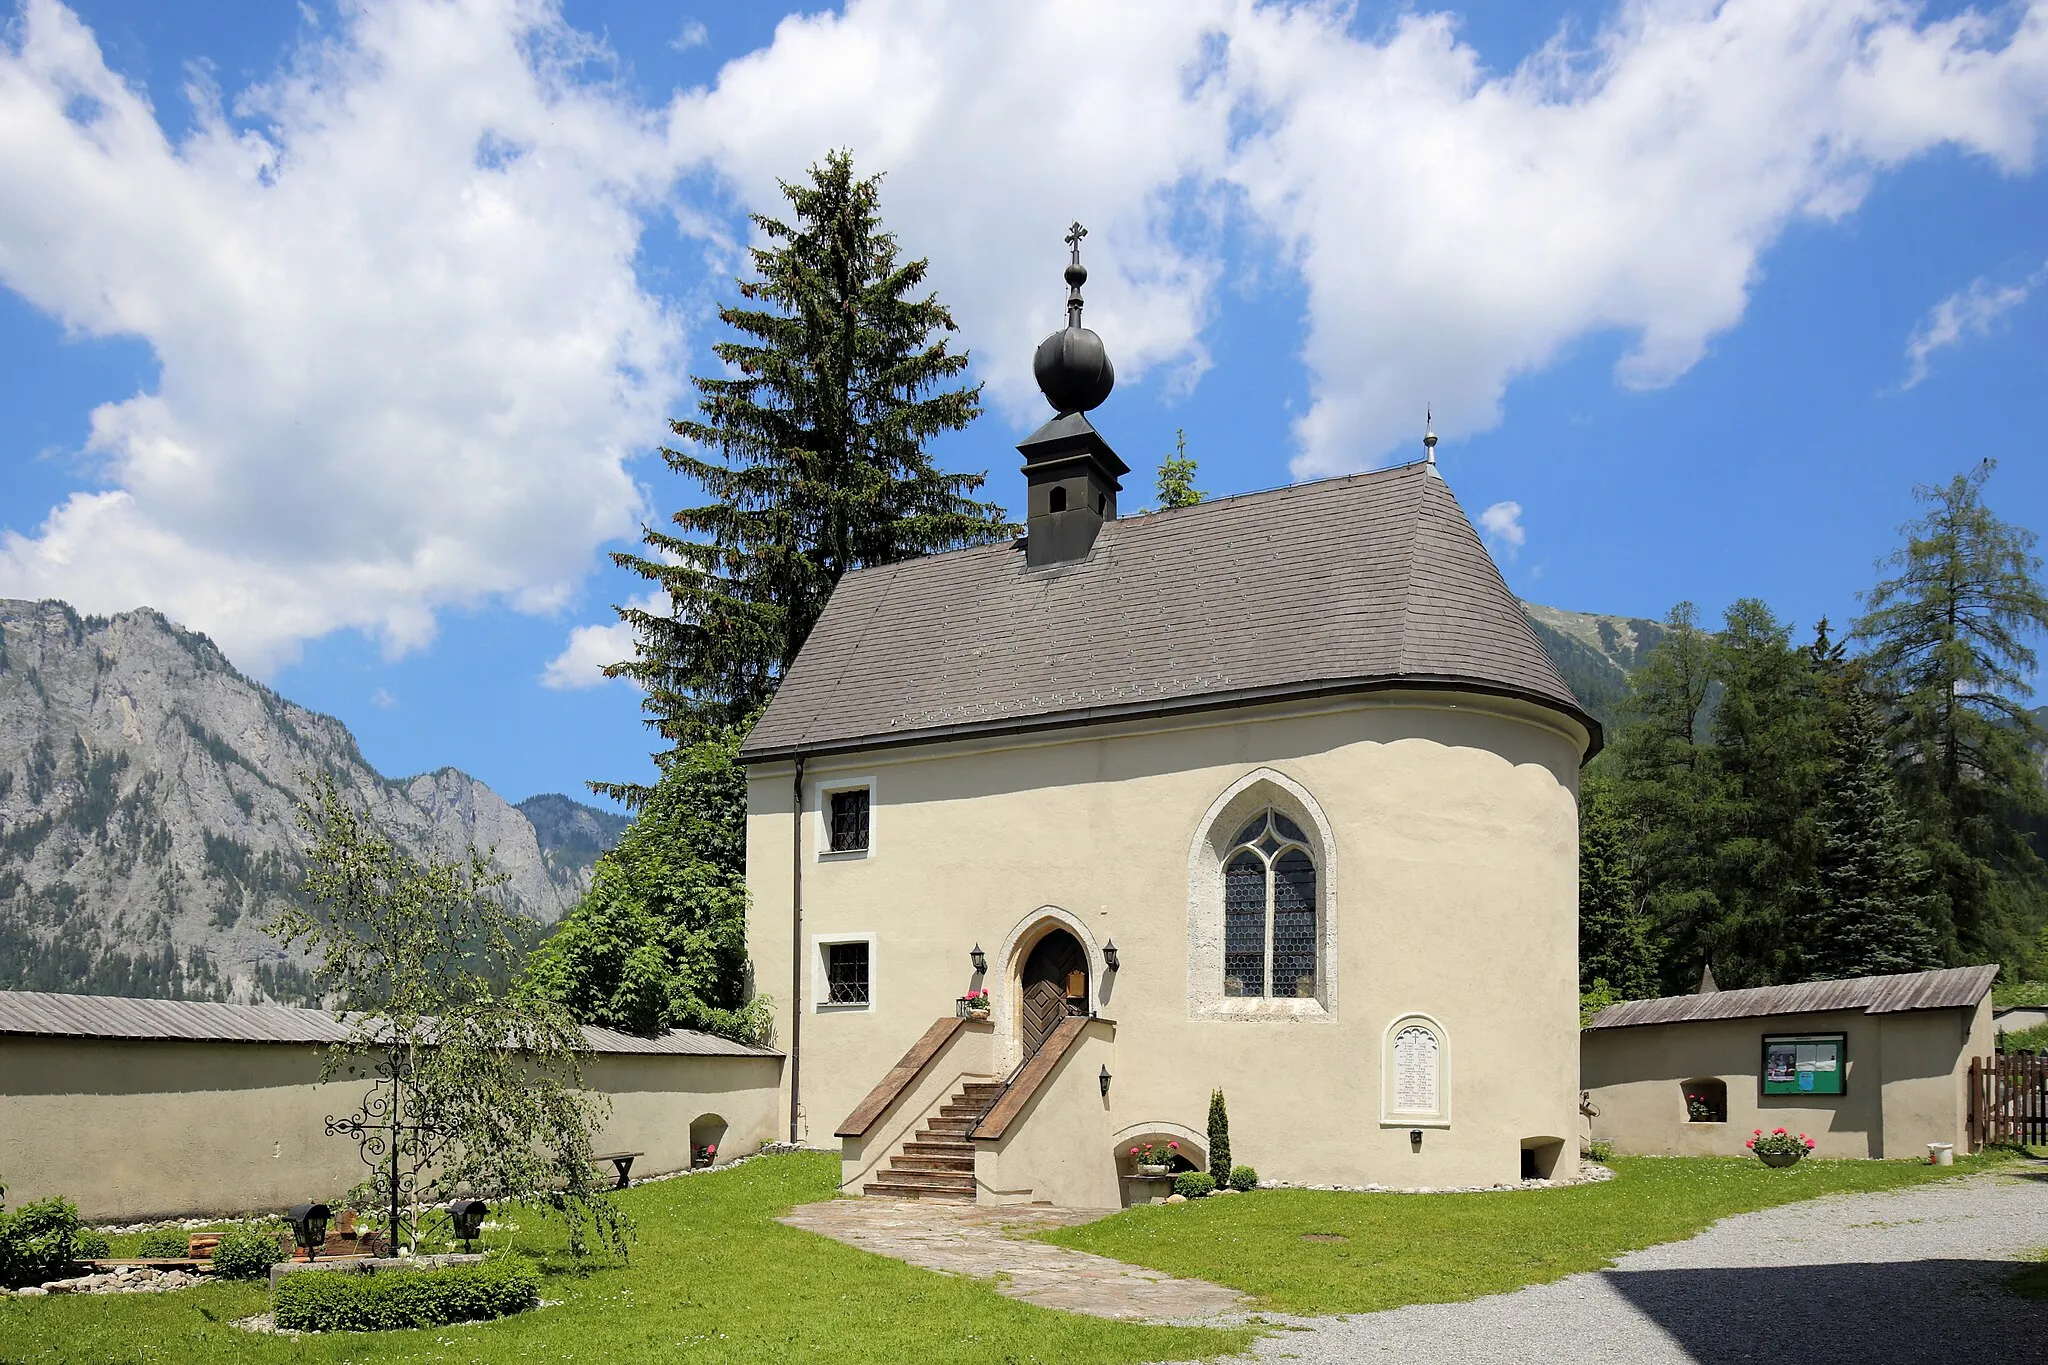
{"x":846,"y":973}
{"x":1294,"y":925}
{"x":1244,"y":925}
{"x":1288,"y":829}
{"x":1251,"y":832}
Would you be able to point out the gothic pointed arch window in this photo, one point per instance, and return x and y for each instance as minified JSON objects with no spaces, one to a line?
{"x":1269,"y":910}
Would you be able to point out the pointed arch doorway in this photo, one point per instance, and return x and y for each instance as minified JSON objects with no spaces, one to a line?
{"x":1055,"y":985}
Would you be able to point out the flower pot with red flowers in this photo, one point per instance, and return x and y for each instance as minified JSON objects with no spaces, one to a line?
{"x":1152,"y":1159}
{"x":703,"y":1154}
{"x":973,"y":1005}
{"x":1778,"y":1147}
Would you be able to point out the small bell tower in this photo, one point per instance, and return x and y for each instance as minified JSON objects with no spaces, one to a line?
{"x":1071,"y":475}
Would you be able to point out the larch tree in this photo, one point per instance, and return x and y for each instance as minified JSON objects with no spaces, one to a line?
{"x":1949,"y":651}
{"x":811,"y":450}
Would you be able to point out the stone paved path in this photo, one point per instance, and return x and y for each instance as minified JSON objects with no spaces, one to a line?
{"x":1904,"y":1278}
{"x":966,"y":1239}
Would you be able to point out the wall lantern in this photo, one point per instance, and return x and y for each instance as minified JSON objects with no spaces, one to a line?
{"x":1104,"y":1078}
{"x":309,"y":1226}
{"x":1109,"y":956}
{"x":979,"y":958}
{"x":1415,"y":1136}
{"x":468,"y":1217}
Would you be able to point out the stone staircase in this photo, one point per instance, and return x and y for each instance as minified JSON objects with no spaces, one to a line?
{"x":938,"y":1160}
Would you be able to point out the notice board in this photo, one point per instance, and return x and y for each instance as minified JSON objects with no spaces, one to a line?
{"x":1806,"y":1064}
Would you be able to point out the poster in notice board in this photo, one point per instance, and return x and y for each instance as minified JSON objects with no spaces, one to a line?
{"x":1805,"y":1064}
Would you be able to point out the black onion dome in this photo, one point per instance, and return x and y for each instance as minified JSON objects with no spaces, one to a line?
{"x":1073,"y":370}
{"x":1072,"y":365}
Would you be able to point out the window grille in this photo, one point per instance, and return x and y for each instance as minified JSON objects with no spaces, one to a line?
{"x":850,"y":820}
{"x":846,"y":973}
{"x":1269,"y":911}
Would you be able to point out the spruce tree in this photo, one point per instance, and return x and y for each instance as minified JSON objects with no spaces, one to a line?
{"x":1767,"y":763}
{"x":1949,"y":652}
{"x":812,"y":454}
{"x":1615,"y":949}
{"x":1869,"y":892}
{"x":1666,"y":782}
{"x":1176,"y":481}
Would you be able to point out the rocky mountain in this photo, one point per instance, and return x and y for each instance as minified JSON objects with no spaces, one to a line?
{"x":147,"y":799}
{"x":1595,"y":653}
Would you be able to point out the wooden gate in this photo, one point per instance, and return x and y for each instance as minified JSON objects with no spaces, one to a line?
{"x":2009,"y":1100}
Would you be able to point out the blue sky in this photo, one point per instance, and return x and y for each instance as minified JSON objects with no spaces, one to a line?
{"x":347,"y":335}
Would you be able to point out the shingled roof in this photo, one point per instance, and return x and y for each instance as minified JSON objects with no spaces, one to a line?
{"x":1370,"y":581}
{"x":1949,"y":988}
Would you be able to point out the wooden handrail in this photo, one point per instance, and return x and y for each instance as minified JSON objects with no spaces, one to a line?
{"x":900,"y":1077}
{"x":1034,"y":1073}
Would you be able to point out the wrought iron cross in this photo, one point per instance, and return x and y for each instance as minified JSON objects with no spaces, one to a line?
{"x":1077,"y":274}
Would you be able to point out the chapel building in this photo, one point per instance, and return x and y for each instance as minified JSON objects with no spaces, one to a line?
{"x":1275,"y":794}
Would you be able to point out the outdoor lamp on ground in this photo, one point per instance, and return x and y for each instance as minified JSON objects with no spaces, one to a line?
{"x":468,"y":1217}
{"x":979,"y":958}
{"x":1104,"y":1078}
{"x":309,"y":1226}
{"x":1109,"y":955}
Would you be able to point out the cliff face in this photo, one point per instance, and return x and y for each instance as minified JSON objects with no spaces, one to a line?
{"x":147,"y":799}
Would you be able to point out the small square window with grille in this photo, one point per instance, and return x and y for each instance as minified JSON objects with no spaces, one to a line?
{"x":850,"y":820}
{"x":846,"y":973}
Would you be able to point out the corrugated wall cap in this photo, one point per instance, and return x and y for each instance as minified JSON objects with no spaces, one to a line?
{"x":1948,"y":988}
{"x":52,"y":1015}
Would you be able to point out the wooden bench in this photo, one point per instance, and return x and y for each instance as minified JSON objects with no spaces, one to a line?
{"x":623,"y":1161}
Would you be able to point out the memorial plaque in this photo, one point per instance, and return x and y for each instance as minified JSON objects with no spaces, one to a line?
{"x":1415,"y":1071}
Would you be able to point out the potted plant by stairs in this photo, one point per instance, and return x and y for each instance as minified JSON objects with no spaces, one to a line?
{"x":1778,"y":1147}
{"x":1151,"y":1159}
{"x":973,"y":1005}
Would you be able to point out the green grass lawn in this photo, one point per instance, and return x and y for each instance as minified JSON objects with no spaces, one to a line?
{"x":713,"y":1277}
{"x":1420,"y":1248}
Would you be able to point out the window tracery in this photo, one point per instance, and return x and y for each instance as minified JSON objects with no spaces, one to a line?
{"x":1269,"y":910}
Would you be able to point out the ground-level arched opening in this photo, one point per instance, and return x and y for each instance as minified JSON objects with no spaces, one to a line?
{"x":1539,"y":1157}
{"x":707,"y":1139}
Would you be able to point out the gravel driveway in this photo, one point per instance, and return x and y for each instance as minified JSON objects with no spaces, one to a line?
{"x":1871,"y":1279}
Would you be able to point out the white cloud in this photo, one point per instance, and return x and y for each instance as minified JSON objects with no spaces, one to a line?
{"x":591,"y":648}
{"x":1969,"y":312}
{"x":403,"y":350}
{"x":692,"y":35}
{"x":1502,"y":523}
{"x":405,"y":354}
{"x":1455,"y":228}
{"x":382,"y":700}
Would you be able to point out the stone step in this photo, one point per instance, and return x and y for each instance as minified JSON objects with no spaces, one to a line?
{"x":939,"y":1146}
{"x":949,"y":1124}
{"x":920,"y":1161}
{"x":930,"y":1180}
{"x":883,"y":1189}
{"x":980,"y":1090}
{"x":962,"y":1111}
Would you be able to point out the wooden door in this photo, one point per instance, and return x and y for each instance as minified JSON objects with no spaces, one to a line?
{"x":1045,"y":1004}
{"x":1055,"y":986}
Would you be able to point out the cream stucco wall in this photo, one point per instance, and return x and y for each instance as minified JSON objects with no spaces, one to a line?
{"x":1905,"y":1083}
{"x":144,"y":1129}
{"x":1453,"y":854}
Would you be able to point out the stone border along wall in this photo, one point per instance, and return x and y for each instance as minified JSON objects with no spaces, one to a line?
{"x":1591,"y":1172}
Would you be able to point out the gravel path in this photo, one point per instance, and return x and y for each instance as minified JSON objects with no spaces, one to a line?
{"x":1899,"y":1278}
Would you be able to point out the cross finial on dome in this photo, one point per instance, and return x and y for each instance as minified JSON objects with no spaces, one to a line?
{"x":1072,"y":369}
{"x":1429,"y":437}
{"x":1077,"y":274}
